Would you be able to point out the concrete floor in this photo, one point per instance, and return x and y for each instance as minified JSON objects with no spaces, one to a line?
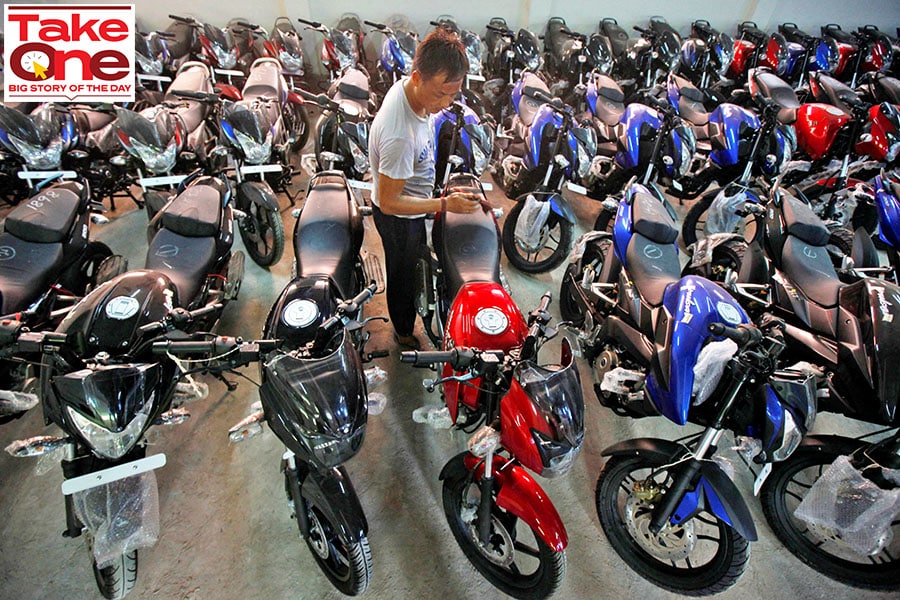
{"x":225,"y":527}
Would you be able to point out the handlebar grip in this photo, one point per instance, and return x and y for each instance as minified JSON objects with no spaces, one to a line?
{"x":375,"y":25}
{"x":742,"y":335}
{"x":218,"y":345}
{"x":497,"y":29}
{"x":425,"y":358}
{"x":247,"y":25}
{"x":188,"y":20}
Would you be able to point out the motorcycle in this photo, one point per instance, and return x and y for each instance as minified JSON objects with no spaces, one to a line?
{"x":509,"y":56}
{"x":683,"y":348}
{"x":314,"y":389}
{"x":396,"y":57}
{"x":537,"y":233}
{"x":656,"y":52}
{"x":864,"y":51}
{"x":705,"y":59}
{"x":48,"y":263}
{"x":102,"y":383}
{"x":218,"y":49}
{"x":523,"y":415}
{"x":463,"y":143}
{"x":284,"y":44}
{"x":571,"y":57}
{"x":340,"y":49}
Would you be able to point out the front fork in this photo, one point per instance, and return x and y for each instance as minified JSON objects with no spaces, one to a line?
{"x":486,"y":486}
{"x":293,"y":482}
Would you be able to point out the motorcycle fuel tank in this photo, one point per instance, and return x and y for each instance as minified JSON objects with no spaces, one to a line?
{"x":818,"y":126}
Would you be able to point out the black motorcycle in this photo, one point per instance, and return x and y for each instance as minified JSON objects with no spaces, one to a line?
{"x":314,"y":389}
{"x":102,"y":383}
{"x":47,"y":262}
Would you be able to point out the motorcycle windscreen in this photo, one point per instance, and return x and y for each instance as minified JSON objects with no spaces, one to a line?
{"x":255,"y":124}
{"x":153,"y":127}
{"x":641,"y":125}
{"x":542,"y":136}
{"x":473,"y":46}
{"x":690,"y":306}
{"x":552,"y":421}
{"x":731,"y":134}
{"x":317,"y":406}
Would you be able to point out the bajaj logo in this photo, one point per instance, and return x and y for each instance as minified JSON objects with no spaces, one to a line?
{"x":69,"y":52}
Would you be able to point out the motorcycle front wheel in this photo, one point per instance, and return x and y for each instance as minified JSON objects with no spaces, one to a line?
{"x":822,"y":549}
{"x":699,"y":557}
{"x":346,"y":564}
{"x":516,"y":560}
{"x":263,"y":233}
{"x":116,"y":580}
{"x":570,"y":305}
{"x":549,"y":251}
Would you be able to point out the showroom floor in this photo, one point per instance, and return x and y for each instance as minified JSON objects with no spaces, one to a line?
{"x":225,"y":527}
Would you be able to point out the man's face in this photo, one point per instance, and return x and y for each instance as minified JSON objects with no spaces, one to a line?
{"x":436,"y":93}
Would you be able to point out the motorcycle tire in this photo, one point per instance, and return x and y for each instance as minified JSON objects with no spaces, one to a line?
{"x":82,"y":276}
{"x":694,"y":226}
{"x":262,"y":231}
{"x":556,"y":243}
{"x":605,"y":221}
{"x":522,"y":568}
{"x":115,"y":581}
{"x":727,"y":256}
{"x":570,"y":309}
{"x":783,"y":491}
{"x":699,"y":557}
{"x":346,"y":564}
{"x":840,"y":244}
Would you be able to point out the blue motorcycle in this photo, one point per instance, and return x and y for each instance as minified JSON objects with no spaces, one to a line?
{"x":463,"y":143}
{"x":554,"y":152}
{"x":682,"y":348}
{"x":395,"y":59}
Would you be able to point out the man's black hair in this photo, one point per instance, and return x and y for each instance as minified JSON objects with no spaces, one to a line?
{"x":441,"y":52}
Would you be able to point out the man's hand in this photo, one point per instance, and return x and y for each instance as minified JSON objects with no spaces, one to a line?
{"x":463,"y":202}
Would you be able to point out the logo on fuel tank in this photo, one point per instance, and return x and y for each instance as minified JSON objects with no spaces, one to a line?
{"x":122,"y":307}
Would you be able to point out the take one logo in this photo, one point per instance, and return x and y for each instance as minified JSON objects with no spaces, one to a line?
{"x":68,"y":52}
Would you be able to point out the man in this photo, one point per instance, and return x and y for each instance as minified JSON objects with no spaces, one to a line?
{"x":401,"y":152}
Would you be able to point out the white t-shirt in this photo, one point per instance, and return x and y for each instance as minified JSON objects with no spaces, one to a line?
{"x":401,"y":146}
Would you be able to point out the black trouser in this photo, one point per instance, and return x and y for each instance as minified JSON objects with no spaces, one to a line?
{"x":403,"y":241}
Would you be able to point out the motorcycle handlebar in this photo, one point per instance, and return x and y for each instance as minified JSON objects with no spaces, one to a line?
{"x":380,"y":26}
{"x":742,"y":335}
{"x":458,"y":358}
{"x":200,"y":96}
{"x":251,"y":26}
{"x":499,"y":29}
{"x":179,"y":316}
{"x":321,"y":99}
{"x":314,"y":24}
{"x":217,"y":347}
{"x":188,"y":20}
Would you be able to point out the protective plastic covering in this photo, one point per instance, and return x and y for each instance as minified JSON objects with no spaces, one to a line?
{"x":122,"y":515}
{"x":709,"y":368}
{"x":722,"y":215}
{"x":530,"y":223}
{"x":16,"y":402}
{"x":702,"y":250}
{"x":436,"y":416}
{"x":581,"y":245}
{"x":845,"y":504}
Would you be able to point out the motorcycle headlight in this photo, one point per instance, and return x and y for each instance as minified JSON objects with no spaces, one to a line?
{"x":557,"y":456}
{"x":533,"y":63}
{"x":289,"y":62}
{"x":225,"y":58}
{"x":346,"y":60}
{"x":254,"y":152}
{"x":686,"y":151}
{"x":479,"y":159}
{"x":331,"y":451}
{"x":407,"y":61}
{"x":148,"y":65}
{"x":360,"y":159}
{"x":155,"y":160}
{"x":892,"y":152}
{"x":36,"y":157}
{"x":474,"y":62}
{"x":111,"y":444}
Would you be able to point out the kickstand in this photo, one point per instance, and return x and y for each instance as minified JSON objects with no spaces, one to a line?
{"x":231,"y":385}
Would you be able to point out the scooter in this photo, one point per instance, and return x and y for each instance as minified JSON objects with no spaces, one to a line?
{"x":523,"y":415}
{"x":683,"y":348}
{"x":102,"y":383}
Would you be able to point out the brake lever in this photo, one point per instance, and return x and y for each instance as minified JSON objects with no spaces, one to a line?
{"x":431,"y":384}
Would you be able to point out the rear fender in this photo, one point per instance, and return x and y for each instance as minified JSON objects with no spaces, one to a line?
{"x":228,"y":91}
{"x":714,"y":491}
{"x":332,"y":492}
{"x":256,"y":192}
{"x":517,"y":493}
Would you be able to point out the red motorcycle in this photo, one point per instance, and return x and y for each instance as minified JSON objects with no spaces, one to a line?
{"x":522,"y":415}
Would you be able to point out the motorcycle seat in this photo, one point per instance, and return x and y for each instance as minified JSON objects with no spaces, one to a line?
{"x":652,"y":266}
{"x":26,"y":271}
{"x":528,"y":106}
{"x":195,"y":212}
{"x":264,"y":80}
{"x":353,"y":85}
{"x":809,"y":267}
{"x":610,"y":104}
{"x":89,"y":120}
{"x":802,"y":223}
{"x":837,"y":93}
{"x":690,"y":103}
{"x":468,"y":249}
{"x":47,"y":217}
{"x":890,"y":88}
{"x":323,"y":241}
{"x":771,"y":86}
{"x":185,"y":260}
{"x":651,"y":219}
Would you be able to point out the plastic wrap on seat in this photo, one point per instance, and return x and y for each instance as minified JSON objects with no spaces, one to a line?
{"x":122,"y":516}
{"x":845,"y":504}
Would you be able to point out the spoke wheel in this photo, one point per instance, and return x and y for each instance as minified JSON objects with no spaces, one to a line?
{"x":516,"y":560}
{"x":822,"y":549}
{"x":263,"y":233}
{"x":552,"y":248}
{"x":699,"y":557}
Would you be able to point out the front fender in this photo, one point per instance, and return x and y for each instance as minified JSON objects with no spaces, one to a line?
{"x":843,"y":445}
{"x":720,"y":494}
{"x":332,"y":492}
{"x":256,"y":192}
{"x":517,"y":493}
{"x":560,"y":206}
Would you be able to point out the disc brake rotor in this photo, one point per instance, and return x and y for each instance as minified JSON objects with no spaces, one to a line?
{"x":317,"y":536}
{"x":673,"y":543}
{"x":500,"y":549}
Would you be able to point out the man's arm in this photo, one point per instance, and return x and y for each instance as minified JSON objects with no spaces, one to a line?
{"x":391,"y":200}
